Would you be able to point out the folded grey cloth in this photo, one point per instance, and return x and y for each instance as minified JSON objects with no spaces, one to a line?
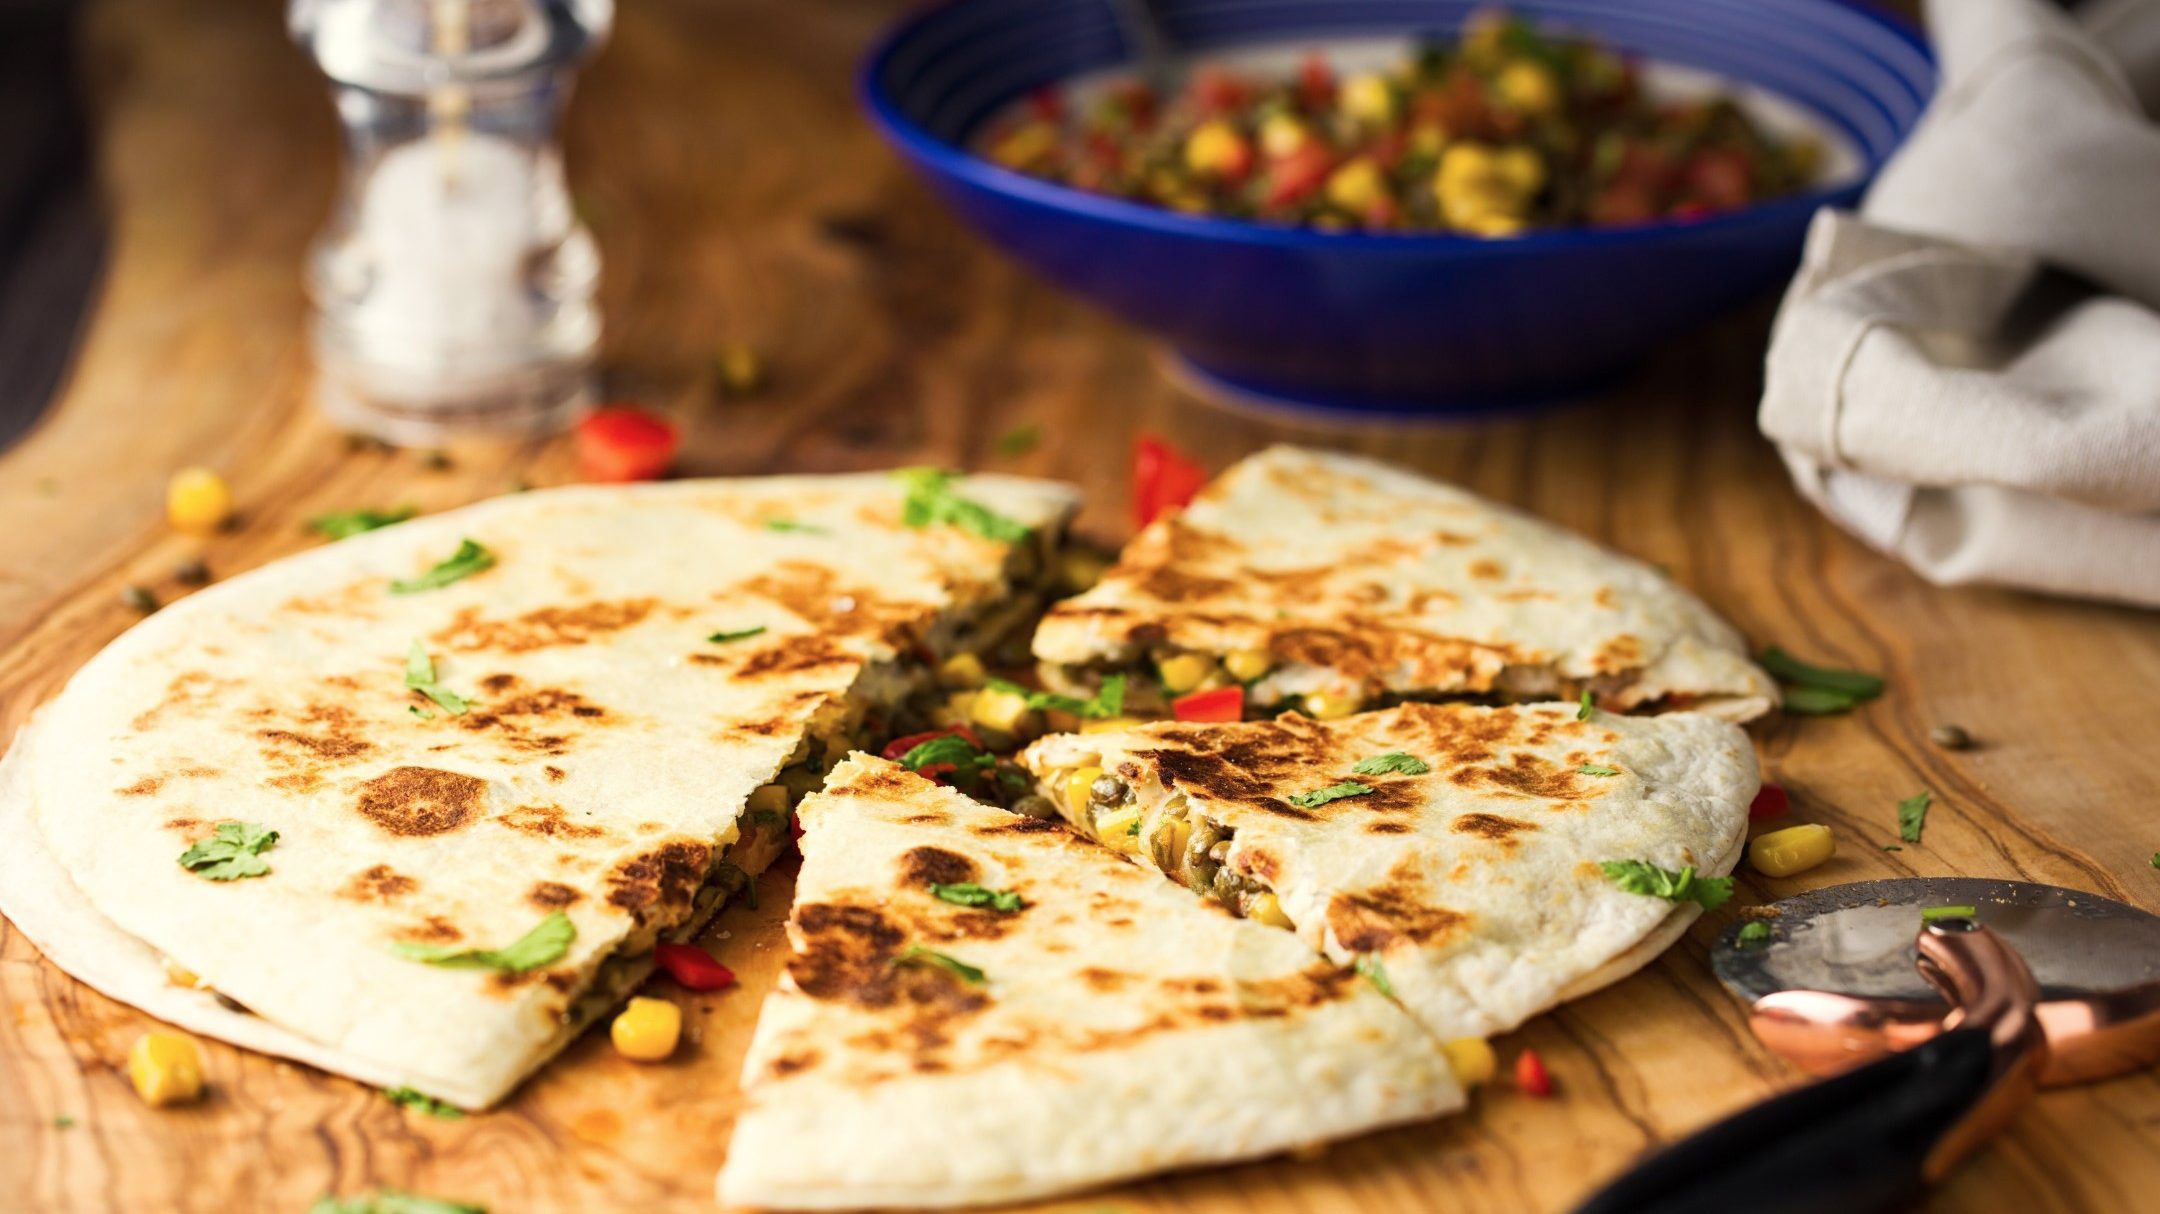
{"x":1967,"y":373}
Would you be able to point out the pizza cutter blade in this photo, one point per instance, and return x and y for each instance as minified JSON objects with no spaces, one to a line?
{"x":1935,"y":1031}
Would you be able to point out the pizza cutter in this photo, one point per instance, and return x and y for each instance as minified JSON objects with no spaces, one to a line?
{"x":1935,"y":1031}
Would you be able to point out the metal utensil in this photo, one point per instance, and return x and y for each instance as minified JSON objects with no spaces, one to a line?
{"x":1935,"y":1032}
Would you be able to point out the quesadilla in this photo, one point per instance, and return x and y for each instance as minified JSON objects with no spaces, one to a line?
{"x":982,"y":1007}
{"x":424,"y":799}
{"x":1329,"y":583}
{"x":1459,"y":849}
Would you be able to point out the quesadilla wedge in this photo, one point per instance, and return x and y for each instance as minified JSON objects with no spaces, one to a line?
{"x":426,"y":798}
{"x":1459,"y":849}
{"x":1329,"y":583}
{"x":983,"y":1007}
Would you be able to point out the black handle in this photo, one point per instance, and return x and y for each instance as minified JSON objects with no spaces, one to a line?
{"x":1850,"y":1144}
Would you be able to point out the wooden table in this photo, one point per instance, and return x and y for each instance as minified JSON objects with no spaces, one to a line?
{"x":716,"y":150}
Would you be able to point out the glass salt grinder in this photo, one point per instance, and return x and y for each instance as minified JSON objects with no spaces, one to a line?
{"x":453,"y":286}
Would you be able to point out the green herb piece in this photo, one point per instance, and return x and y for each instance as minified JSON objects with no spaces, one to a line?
{"x":1892,"y":847}
{"x":1816,"y":701}
{"x":738,"y":634}
{"x":1108,"y":700}
{"x":767,"y":817}
{"x":420,"y":676}
{"x":966,"y":758}
{"x":1587,"y":707}
{"x":1912,"y":815}
{"x":234,"y":851}
{"x":1754,"y":932}
{"x":1368,"y":964}
{"x":1133,"y":828}
{"x":1638,"y":877}
{"x":2156,"y":859}
{"x":345,"y":524}
{"x":63,"y":1122}
{"x":1932,"y":913}
{"x":409,"y":1098}
{"x":916,"y":954}
{"x":543,"y":944}
{"x":789,"y":525}
{"x":1855,"y":684}
{"x":1598,"y":769}
{"x":470,"y":558}
{"x":1393,"y":761}
{"x":737,"y":880}
{"x":1019,"y":440}
{"x":1333,"y":792}
{"x":931,"y":500}
{"x":392,"y":1201}
{"x":967,"y":893}
{"x":424,"y":714}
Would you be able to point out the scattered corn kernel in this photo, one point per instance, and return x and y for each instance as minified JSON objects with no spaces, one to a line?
{"x":1489,"y":224}
{"x":1025,"y":145}
{"x":956,"y":709}
{"x":1327,"y":705}
{"x":1369,"y":98}
{"x":1280,"y":135}
{"x":1109,"y":724}
{"x":1520,"y":168}
{"x":1182,"y":672}
{"x":165,"y":1068}
{"x":1215,"y":147}
{"x":1180,"y":837}
{"x":1004,"y":711}
{"x":197,"y":501}
{"x":1481,"y":188}
{"x":1356,"y":186}
{"x":647,"y":1029}
{"x":1267,"y":908}
{"x":1080,"y":568}
{"x":962,"y":670}
{"x":772,"y":797}
{"x":1077,"y":784}
{"x":1427,"y":138}
{"x":1245,"y":665}
{"x":1528,"y":86}
{"x":1781,"y":853}
{"x":1114,"y":828}
{"x":1472,"y":1060}
{"x":180,"y":975}
{"x":741,"y":371}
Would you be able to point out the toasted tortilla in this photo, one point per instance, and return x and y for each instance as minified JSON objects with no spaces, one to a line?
{"x":602,"y":769}
{"x":1365,"y":581}
{"x":1120,"y":1026}
{"x":1476,"y":885}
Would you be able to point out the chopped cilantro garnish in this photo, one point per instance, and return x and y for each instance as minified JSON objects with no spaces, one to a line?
{"x":63,"y":1122}
{"x":967,"y":893}
{"x":1393,"y":761}
{"x":545,"y":943}
{"x":1816,"y":701}
{"x":2156,"y":859}
{"x":737,"y":634}
{"x":1369,"y":965}
{"x":1333,"y":792}
{"x":1895,"y":847}
{"x":470,"y":558}
{"x":1912,"y":815}
{"x":1754,"y":932}
{"x":1598,"y":769}
{"x":1585,"y":706}
{"x":790,"y":525}
{"x":1932,"y":913}
{"x":1854,"y":684}
{"x":1639,"y":877}
{"x":233,"y":851}
{"x":420,"y":676}
{"x":392,"y":1201}
{"x":1019,"y":440}
{"x":344,"y":524}
{"x":966,"y":758}
{"x":916,"y":954}
{"x":1133,"y":827}
{"x":411,"y":1099}
{"x":1108,"y":700}
{"x":931,"y":500}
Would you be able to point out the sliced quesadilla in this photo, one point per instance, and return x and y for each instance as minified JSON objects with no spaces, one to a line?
{"x":1460,"y":850}
{"x":427,"y":797}
{"x":982,"y":1007}
{"x":1329,"y":583}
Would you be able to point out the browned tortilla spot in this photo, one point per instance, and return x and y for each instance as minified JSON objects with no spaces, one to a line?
{"x":552,"y":895}
{"x":543,"y":627}
{"x":554,"y":772}
{"x":657,"y":886}
{"x":815,"y":595}
{"x":1106,"y":979}
{"x":141,"y":788}
{"x":1487,"y":568}
{"x":1370,"y":921}
{"x":497,"y":684}
{"x":549,"y":820}
{"x":795,"y":655}
{"x":792,"y":1062}
{"x":1386,"y":828}
{"x":926,"y":819}
{"x":936,"y":866}
{"x":378,"y":884}
{"x":336,"y":739}
{"x":1018,"y":826}
{"x":432,"y":930}
{"x":1491,"y":826}
{"x":1531,"y":776}
{"x":421,"y":800}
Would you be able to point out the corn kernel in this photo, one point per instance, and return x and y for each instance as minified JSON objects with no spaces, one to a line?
{"x":647,"y":1029}
{"x":1369,"y":98}
{"x":769,"y":797}
{"x":1076,"y":787}
{"x":197,"y":501}
{"x":180,"y":975}
{"x":741,"y":371}
{"x":1528,"y":86}
{"x":1781,"y":853}
{"x":1521,"y":169}
{"x":1491,"y":225}
{"x":1280,"y":135}
{"x":1245,"y":665}
{"x":1327,"y":705}
{"x":1183,"y":672}
{"x":955,"y":709}
{"x":1025,"y":145}
{"x":1080,"y":568}
{"x":1109,"y":724}
{"x":1356,"y":186}
{"x":1267,"y":908}
{"x":1471,"y":1058}
{"x":1114,"y":828}
{"x":1214,"y":147}
{"x":165,"y":1068}
{"x":962,"y":670}
{"x":1427,"y":138}
{"x":1004,"y":711}
{"x":1180,"y":838}
{"x":1484,"y":189}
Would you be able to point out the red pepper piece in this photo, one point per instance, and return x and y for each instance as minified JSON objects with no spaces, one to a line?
{"x":1163,"y":478}
{"x":795,"y":824}
{"x":1047,"y":103}
{"x":1531,"y":1077}
{"x":625,"y":443}
{"x":692,"y":968}
{"x":1316,"y":83}
{"x":1216,"y":91}
{"x":1220,"y":704}
{"x":1293,"y":176}
{"x":1770,"y":802}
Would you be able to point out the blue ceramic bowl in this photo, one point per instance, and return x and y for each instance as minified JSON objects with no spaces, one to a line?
{"x":1419,"y":323}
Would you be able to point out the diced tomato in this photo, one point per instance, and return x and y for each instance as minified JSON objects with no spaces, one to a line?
{"x":1689,"y":211}
{"x":1217,"y":91}
{"x":1622,"y":203}
{"x":1769,"y":802}
{"x":1220,"y":704}
{"x":1163,"y":478}
{"x":936,"y":772}
{"x":1047,"y":103}
{"x":692,"y":968}
{"x":1316,"y":83}
{"x":1531,"y":1077}
{"x":795,"y":824}
{"x":1720,"y":178}
{"x":1292,"y":177}
{"x":625,"y":443}
{"x":900,"y":746}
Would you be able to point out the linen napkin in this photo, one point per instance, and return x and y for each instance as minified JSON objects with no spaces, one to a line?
{"x":1966,"y":374}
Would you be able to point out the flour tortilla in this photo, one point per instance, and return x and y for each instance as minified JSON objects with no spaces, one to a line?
{"x":604,"y":766}
{"x":1477,"y":885}
{"x":1123,"y":1027}
{"x":1363,"y":580}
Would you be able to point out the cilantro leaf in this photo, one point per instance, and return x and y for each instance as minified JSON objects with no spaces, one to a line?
{"x":791,"y":526}
{"x":1108,"y":700}
{"x":543,"y":944}
{"x":967,"y":893}
{"x":1019,"y":440}
{"x":931,"y":501}
{"x":392,"y":1201}
{"x":2156,"y":859}
{"x":964,"y":755}
{"x":470,"y":558}
{"x":1754,"y":932}
{"x":413,"y":1099}
{"x":1912,"y":815}
{"x":1639,"y":877}
{"x":738,"y":634}
{"x":61,"y":1121}
{"x":1855,"y":684}
{"x":420,"y":676}
{"x":1393,"y":761}
{"x":1932,"y":913}
{"x":345,"y":524}
{"x":233,"y":851}
{"x":1587,"y":707}
{"x":1816,"y":701}
{"x":916,"y":954}
{"x":1598,"y":769}
{"x":1333,"y":792}
{"x":1368,"y":964}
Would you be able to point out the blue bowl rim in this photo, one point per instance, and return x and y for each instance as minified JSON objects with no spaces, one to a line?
{"x":958,"y":162}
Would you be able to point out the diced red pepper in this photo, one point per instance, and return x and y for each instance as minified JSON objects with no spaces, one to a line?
{"x":795,"y":824}
{"x":1531,"y":1077}
{"x":1162,"y":478}
{"x":1220,"y":704}
{"x":936,"y":772}
{"x":1217,"y":91}
{"x":1047,"y":103}
{"x":900,"y":746}
{"x":1316,"y":83}
{"x":1770,"y":802}
{"x":692,"y":968}
{"x":625,"y":443}
{"x":1719,"y":178}
{"x":1292,"y":176}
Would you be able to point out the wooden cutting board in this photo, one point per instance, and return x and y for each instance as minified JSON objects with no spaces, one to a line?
{"x":738,"y":198}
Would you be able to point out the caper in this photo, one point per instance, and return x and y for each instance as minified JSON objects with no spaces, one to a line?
{"x":437,"y":460}
{"x":1107,"y":790}
{"x":1032,"y":806}
{"x":1220,"y":853}
{"x":1951,"y":737}
{"x":139,"y":598}
{"x":191,"y":572}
